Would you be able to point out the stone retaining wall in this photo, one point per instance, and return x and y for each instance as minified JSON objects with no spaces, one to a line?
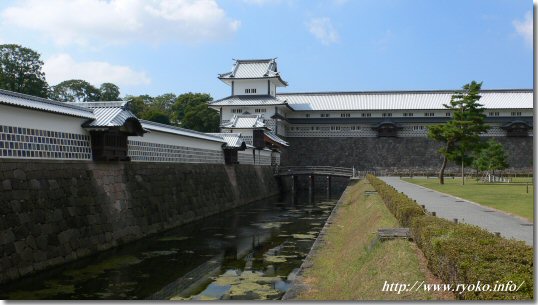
{"x":391,"y":154}
{"x":53,"y":212}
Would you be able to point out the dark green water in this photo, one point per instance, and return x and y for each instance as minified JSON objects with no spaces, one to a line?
{"x":251,"y":252}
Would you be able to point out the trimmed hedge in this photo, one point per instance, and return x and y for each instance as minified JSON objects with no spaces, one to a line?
{"x":461,"y":253}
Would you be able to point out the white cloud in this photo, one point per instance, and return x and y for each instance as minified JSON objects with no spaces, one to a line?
{"x":90,"y":22}
{"x":323,"y":30}
{"x":63,"y":67}
{"x":525,"y":28}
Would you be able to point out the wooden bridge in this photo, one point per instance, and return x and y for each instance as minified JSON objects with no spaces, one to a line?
{"x":327,"y":172}
{"x":316,"y":170}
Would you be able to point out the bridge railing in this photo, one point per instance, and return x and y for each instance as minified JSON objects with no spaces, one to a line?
{"x":315,"y":170}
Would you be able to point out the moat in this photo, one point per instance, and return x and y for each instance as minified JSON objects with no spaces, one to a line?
{"x":251,"y":252}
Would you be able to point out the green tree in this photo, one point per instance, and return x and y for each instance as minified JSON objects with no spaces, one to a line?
{"x":185,"y":100}
{"x":75,"y":90}
{"x":21,"y":71}
{"x":156,"y":115}
{"x":201,"y":118}
{"x":109,"y":92}
{"x":164,"y":102}
{"x":461,"y":134}
{"x":491,"y":157}
{"x":139,"y":104}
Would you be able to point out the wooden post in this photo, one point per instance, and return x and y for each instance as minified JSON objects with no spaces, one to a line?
{"x":293,"y":185}
{"x":328,"y":186}
{"x":310,"y":188}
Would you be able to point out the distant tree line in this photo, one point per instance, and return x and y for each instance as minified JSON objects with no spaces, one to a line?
{"x":21,"y":70}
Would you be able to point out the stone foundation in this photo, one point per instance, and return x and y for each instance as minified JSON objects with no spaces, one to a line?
{"x":54,"y":212}
{"x":391,"y":155}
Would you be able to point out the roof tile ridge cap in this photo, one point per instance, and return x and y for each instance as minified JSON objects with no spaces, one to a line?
{"x":42,"y":99}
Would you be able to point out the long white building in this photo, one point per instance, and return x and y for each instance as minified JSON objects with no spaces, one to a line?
{"x":254,"y":85}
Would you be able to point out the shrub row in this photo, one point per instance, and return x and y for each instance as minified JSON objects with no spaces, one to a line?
{"x":464,"y":254}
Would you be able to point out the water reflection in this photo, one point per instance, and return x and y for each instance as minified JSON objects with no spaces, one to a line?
{"x":251,"y":252}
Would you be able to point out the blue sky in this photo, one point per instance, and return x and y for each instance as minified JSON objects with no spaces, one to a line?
{"x":159,"y":46}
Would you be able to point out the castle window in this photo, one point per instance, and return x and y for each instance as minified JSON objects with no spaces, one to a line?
{"x":237,"y":110}
{"x":307,"y":115}
{"x":408,"y":114}
{"x":250,"y":90}
{"x":494,"y":113}
{"x":324,"y":115}
{"x":516,"y":113}
{"x":335,"y":128}
{"x":448,"y":114}
{"x":429,"y":114}
{"x":387,"y":114}
{"x":418,"y":127}
{"x":354,"y":128}
{"x":345,"y":115}
{"x":260,"y":110}
{"x":368,"y":114}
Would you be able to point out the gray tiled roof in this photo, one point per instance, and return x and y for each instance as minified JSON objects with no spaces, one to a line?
{"x":271,"y":135}
{"x":233,"y":139}
{"x":179,"y":131}
{"x":252,"y":69}
{"x":42,"y":104}
{"x":108,"y":114}
{"x":245,"y":121}
{"x":403,"y":100}
{"x":248,"y":100}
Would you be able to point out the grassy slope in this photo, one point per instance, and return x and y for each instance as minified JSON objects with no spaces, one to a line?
{"x":345,"y":269}
{"x":509,"y":198}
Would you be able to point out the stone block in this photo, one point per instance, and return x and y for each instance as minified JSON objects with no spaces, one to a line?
{"x":19,"y":174}
{"x":6,"y":185}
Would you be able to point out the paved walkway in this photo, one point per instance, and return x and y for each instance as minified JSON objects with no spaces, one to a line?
{"x":450,"y":207}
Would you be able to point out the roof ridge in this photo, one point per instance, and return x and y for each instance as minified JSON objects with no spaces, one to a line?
{"x":403,"y":91}
{"x":43,"y":100}
{"x":172,"y":127}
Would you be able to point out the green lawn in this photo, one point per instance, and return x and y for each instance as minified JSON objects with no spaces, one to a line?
{"x":511,"y":198}
{"x":350,"y":266}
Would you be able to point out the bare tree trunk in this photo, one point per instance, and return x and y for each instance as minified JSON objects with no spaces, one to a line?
{"x":442,"y":171}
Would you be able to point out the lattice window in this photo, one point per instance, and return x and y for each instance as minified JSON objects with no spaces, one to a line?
{"x":331,"y":131}
{"x":271,"y":124}
{"x":155,"y":152}
{"x":21,"y":142}
{"x":495,"y":131}
{"x":413,"y":131}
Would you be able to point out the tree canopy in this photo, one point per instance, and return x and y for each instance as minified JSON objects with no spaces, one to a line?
{"x":188,"y":110}
{"x":75,"y":90}
{"x":21,"y":71}
{"x":461,"y":134}
{"x":109,"y":92}
{"x":491,"y":157}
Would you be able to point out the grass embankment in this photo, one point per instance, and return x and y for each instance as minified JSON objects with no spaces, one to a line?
{"x":349,"y":266}
{"x":511,"y":198}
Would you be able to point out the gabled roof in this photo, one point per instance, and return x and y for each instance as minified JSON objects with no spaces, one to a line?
{"x":179,"y":131}
{"x":108,"y":114}
{"x":254,"y":69}
{"x":273,"y":137}
{"x":233,"y":140}
{"x":246,"y":121}
{"x":403,"y":100}
{"x":249,"y":100}
{"x":42,"y":104}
